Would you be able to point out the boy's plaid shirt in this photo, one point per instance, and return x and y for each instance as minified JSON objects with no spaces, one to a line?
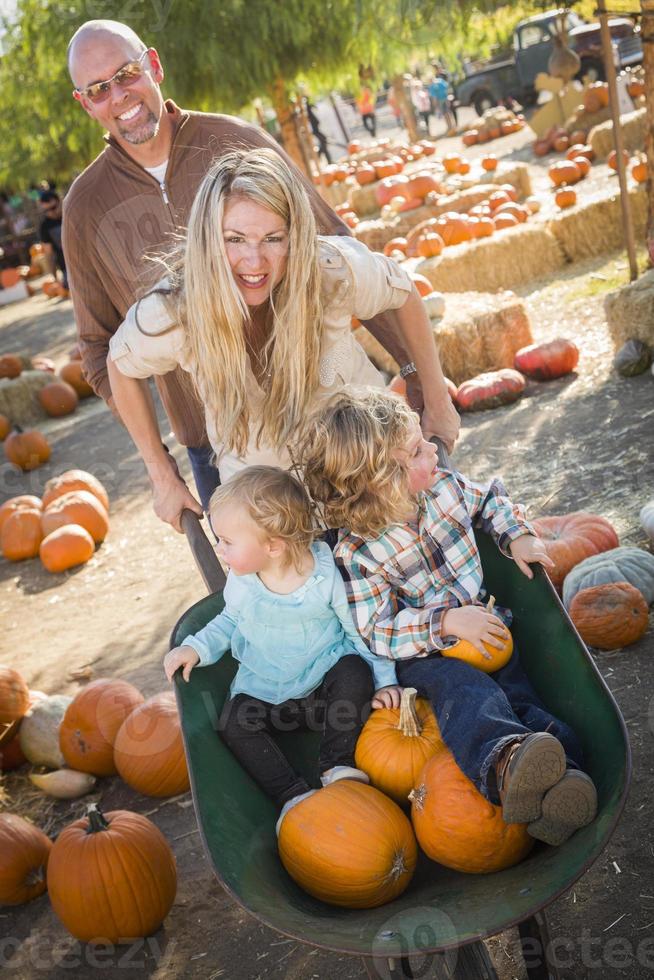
{"x":400,"y":585}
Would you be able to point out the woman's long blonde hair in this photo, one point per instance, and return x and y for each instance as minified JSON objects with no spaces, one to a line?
{"x":207,"y":302}
{"x":347,"y":456}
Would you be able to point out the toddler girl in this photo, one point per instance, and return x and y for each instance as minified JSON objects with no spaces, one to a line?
{"x":414,"y":582}
{"x":287,"y":622}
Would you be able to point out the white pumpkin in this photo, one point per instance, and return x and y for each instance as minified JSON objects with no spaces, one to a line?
{"x":39,"y":732}
{"x":64,"y":784}
{"x":647,"y":520}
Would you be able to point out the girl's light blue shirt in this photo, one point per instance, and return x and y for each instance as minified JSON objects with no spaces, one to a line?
{"x":285,"y":644}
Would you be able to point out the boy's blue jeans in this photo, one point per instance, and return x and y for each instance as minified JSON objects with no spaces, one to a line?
{"x":205,"y":474}
{"x":479,"y":714}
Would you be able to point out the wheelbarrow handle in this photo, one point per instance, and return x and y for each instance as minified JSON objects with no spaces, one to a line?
{"x":205,"y":557}
{"x":443,"y":455}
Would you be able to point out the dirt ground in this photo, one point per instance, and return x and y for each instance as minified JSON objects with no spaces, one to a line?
{"x":583,"y":442}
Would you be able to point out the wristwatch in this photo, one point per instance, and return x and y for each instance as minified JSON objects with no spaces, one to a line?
{"x":409,"y":368}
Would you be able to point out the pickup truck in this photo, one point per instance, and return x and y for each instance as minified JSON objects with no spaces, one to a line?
{"x":513,"y":78}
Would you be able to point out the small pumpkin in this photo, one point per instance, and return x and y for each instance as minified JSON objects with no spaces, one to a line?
{"x":633,"y":358}
{"x":5,"y":427}
{"x":612,"y":159}
{"x":489,"y":162}
{"x":39,"y":731}
{"x":543,"y":362}
{"x":89,"y":727}
{"x":504,"y":220}
{"x":457,"y":827}
{"x":11,"y":366}
{"x":490,"y":390}
{"x":73,"y":374}
{"x":58,"y":398}
{"x":77,"y":507}
{"x":583,"y":163}
{"x":24,"y":854}
{"x":647,"y":520}
{"x":148,"y":749}
{"x":63,"y":784}
{"x":564,"y":172}
{"x":639,"y":171}
{"x":395,"y":245}
{"x":27,"y":450}
{"x":500,"y":656}
{"x":451,"y":163}
{"x":11,"y":754}
{"x":57,"y":486}
{"x":349,"y":845}
{"x":21,"y":535}
{"x":423,"y":183}
{"x":66,"y":547}
{"x":632,"y":565}
{"x":111,"y":876}
{"x":14,"y":696}
{"x":571,"y":538}
{"x":430,"y":244}
{"x":565,"y":197}
{"x":25,"y":501}
{"x":421,"y":283}
{"x":395,"y":743}
{"x":610,"y":616}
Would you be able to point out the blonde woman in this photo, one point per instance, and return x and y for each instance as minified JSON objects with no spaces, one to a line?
{"x":257,"y":309}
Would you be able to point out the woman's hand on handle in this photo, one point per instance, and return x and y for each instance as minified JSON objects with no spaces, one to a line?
{"x":441,"y":419}
{"x":170,"y":496}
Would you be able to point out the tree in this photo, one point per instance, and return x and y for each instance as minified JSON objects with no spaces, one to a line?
{"x":647,"y":32}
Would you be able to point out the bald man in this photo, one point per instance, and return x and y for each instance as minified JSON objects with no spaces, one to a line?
{"x":137,"y":194}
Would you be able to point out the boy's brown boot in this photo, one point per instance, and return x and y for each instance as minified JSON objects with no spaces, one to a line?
{"x":567,"y":806}
{"x":525,"y":771}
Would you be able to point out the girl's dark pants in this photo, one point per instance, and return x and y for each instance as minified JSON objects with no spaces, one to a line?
{"x":338,"y":709}
{"x":480,"y":714}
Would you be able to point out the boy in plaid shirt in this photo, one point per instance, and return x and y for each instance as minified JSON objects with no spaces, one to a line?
{"x":414,"y":581}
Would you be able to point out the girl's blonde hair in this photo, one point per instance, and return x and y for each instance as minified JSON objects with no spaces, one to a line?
{"x":277,"y":503}
{"x":206,"y":301}
{"x":347,"y":457}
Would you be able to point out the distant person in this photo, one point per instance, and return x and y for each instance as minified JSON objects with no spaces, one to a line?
{"x":421,"y":102}
{"x":314,"y":122}
{"x":50,"y":232}
{"x":366,"y":106}
{"x":438,"y":91}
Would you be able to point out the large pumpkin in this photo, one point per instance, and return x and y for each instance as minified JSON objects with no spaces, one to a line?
{"x":14,"y":696}
{"x":73,"y":374}
{"x":610,"y":616}
{"x":77,"y":507}
{"x":67,"y":547}
{"x":349,"y":845}
{"x":395,"y":743}
{"x":24,"y":853}
{"x":57,"y":486}
{"x":546,"y":361}
{"x":58,"y":398}
{"x":111,"y":876}
{"x":570,"y":538}
{"x":88,"y":730}
{"x":630,"y":565}
{"x":28,"y":449}
{"x":457,"y":827}
{"x":11,"y":366}
{"x":25,"y":501}
{"x":21,"y":535}
{"x":490,"y":390}
{"x":148,"y":750}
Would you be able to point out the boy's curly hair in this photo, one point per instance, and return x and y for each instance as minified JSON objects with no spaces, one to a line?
{"x":277,"y":503}
{"x":346,"y":456}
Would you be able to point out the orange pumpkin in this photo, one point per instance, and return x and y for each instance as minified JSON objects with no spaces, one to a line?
{"x":565,"y":197}
{"x":14,"y":696}
{"x":24,"y":854}
{"x":89,"y":727}
{"x":349,"y":845}
{"x":65,"y":548}
{"x":610,"y":616}
{"x":639,"y":171}
{"x":28,"y":449}
{"x":451,"y":163}
{"x":636,"y":88}
{"x":561,"y":143}
{"x":25,"y":501}
{"x":389,"y":188}
{"x":73,"y":374}
{"x":577,"y":138}
{"x":550,"y":360}
{"x":422,"y":184}
{"x":111,"y":876}
{"x":395,"y":743}
{"x":421,"y":283}
{"x":470,"y":138}
{"x":10,"y":366}
{"x":484,"y":228}
{"x":57,"y":486}
{"x":453,"y":228}
{"x":612,"y":159}
{"x":564,"y":172}
{"x":510,"y":207}
{"x":491,"y":389}
{"x":11,"y":754}
{"x":148,"y":750}
{"x":583,"y":163}
{"x":365,"y":174}
{"x":5,"y":427}
{"x":457,"y":827}
{"x":489,"y":162}
{"x":500,"y":656}
{"x":569,"y":538}
{"x":58,"y":398}
{"x":498,"y":198}
{"x":505,"y":221}
{"x":395,"y":245}
{"x":585,"y":150}
{"x":21,"y":534}
{"x":77,"y":507}
{"x":430,"y":245}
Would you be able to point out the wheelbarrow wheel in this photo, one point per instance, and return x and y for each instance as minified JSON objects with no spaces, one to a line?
{"x":470,"y":962}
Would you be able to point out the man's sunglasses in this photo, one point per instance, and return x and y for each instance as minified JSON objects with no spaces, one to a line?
{"x":127,"y":75}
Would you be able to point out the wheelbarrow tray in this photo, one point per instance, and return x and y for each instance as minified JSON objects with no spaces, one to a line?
{"x":441,"y":909}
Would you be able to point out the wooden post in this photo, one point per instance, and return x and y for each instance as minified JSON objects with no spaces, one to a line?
{"x":647,"y":35}
{"x":609,"y":68}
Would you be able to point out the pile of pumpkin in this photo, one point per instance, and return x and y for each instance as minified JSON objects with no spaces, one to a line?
{"x":62,"y":528}
{"x":59,"y":397}
{"x":108,"y":728}
{"x":380,"y":159}
{"x":494,"y":123}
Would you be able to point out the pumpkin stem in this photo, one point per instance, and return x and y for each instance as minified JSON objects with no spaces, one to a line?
{"x":398,"y":868}
{"x":490,"y":605}
{"x":409,"y":723}
{"x":97,"y":819}
{"x":417,"y":796}
{"x":35,"y":876}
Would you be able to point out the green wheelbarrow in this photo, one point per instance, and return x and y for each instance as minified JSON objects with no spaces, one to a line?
{"x":443,"y":915}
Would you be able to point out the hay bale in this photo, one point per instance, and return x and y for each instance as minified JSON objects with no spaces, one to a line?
{"x":479,"y":332}
{"x":633,"y":134}
{"x":586,"y":120}
{"x":516,"y":174}
{"x":510,"y":258}
{"x":374,"y":234}
{"x":364,"y":200}
{"x":18,"y":397}
{"x":595,"y":227}
{"x":630,"y":311}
